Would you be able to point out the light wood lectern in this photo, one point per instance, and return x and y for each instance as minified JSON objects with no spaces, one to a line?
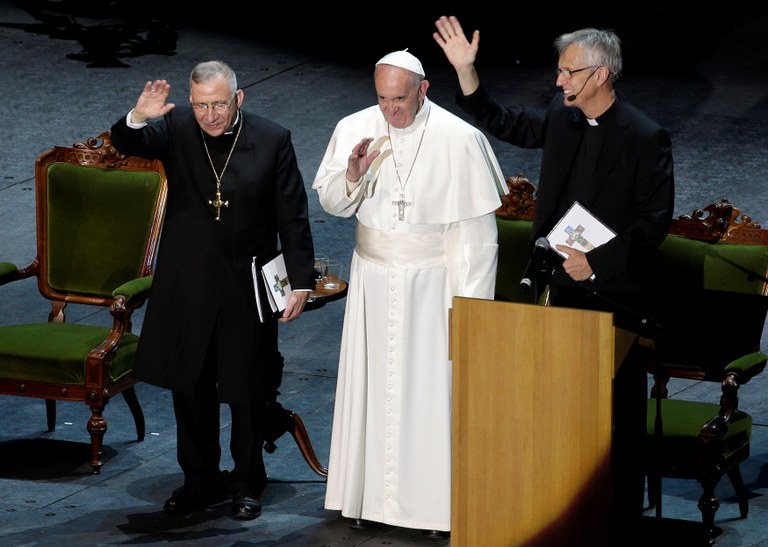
{"x":532,"y":423}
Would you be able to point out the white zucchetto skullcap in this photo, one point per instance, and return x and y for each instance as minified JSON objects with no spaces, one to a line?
{"x":403,"y":59}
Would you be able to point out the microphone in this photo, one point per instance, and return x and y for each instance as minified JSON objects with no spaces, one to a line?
{"x":535,"y":263}
{"x":571,"y":98}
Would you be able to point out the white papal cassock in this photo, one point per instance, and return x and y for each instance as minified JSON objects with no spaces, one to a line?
{"x":390,"y":458}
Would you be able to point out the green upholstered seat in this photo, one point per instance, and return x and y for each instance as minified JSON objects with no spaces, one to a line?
{"x":61,"y":359}
{"x":683,"y":420}
{"x":99,"y":216}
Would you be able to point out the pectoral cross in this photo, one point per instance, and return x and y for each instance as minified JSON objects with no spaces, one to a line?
{"x":401,"y":205}
{"x":218,"y":204}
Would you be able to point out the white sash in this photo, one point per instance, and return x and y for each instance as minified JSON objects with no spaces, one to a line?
{"x":401,"y":250}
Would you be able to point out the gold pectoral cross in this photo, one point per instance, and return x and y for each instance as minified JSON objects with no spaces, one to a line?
{"x":401,"y":205}
{"x":218,"y":204}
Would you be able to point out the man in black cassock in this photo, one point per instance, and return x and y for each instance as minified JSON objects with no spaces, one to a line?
{"x":235,"y":189}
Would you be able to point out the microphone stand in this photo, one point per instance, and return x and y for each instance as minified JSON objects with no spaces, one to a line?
{"x":540,"y":278}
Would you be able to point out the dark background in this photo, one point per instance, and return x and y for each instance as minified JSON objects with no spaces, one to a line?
{"x":656,"y":36}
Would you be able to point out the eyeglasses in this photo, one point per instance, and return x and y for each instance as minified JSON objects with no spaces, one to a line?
{"x":568,"y":73}
{"x":219,"y":107}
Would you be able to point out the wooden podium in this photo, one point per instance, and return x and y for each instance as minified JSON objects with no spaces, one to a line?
{"x":532,"y":423}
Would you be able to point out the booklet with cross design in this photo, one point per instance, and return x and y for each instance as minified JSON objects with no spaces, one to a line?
{"x":579,"y":229}
{"x":273,"y":276}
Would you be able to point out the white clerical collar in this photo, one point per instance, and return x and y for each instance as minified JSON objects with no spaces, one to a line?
{"x":592,"y":122}
{"x":423,"y":113}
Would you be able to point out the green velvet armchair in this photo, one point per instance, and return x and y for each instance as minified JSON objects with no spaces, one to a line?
{"x":711,"y":277}
{"x":98,"y":216}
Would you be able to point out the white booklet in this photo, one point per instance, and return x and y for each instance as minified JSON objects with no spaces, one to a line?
{"x":274,"y":277}
{"x":579,"y":229}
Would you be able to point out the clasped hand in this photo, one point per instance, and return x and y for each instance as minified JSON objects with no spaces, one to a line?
{"x":576,"y":265}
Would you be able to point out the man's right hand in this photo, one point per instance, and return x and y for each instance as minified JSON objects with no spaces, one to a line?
{"x":151,"y":103}
{"x":460,"y":53}
{"x":360,"y":160}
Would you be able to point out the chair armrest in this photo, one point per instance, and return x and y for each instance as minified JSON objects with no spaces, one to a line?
{"x":6,"y":270}
{"x":134,"y":291}
{"x":748,"y":366}
{"x":737,"y":373}
{"x":10,"y":272}
{"x":128,"y":297}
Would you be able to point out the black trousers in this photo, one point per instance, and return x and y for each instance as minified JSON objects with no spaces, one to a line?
{"x":199,"y":449}
{"x":198,"y":432}
{"x":630,"y":394}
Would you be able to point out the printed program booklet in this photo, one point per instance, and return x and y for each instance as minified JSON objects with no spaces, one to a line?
{"x":273,"y":276}
{"x":579,"y":229}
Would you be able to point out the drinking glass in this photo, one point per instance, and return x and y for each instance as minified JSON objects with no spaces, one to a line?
{"x":321,"y":266}
{"x":333,"y":274}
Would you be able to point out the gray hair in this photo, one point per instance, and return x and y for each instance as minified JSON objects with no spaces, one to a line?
{"x":601,"y":47}
{"x":211,"y":70}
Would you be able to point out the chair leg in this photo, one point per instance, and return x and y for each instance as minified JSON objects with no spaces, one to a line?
{"x":131,"y":399}
{"x":50,"y":414}
{"x":97,"y":426}
{"x":708,"y":504}
{"x":741,"y":491}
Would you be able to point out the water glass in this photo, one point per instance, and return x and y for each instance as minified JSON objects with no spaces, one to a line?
{"x":333,"y":274}
{"x":321,"y":266}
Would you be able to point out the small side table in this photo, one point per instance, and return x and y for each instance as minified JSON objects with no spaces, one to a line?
{"x":284,"y":420}
{"x":321,"y":296}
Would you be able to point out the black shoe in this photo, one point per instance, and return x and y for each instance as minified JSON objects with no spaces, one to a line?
{"x":188,"y":500}
{"x":437,"y":534}
{"x":245,"y":506}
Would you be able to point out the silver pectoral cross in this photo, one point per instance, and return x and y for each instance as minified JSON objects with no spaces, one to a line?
{"x":218,"y":204}
{"x":401,"y":205}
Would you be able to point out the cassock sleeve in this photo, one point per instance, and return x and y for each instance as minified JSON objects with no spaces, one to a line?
{"x":472,"y":251}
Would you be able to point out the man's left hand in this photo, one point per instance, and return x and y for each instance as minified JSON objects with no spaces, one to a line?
{"x":576,"y":264}
{"x":295,"y":305}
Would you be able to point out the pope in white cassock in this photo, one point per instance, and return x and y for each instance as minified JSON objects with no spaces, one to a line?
{"x":424,"y":186}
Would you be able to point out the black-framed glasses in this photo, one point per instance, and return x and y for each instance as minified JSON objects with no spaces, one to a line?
{"x":219,"y":107}
{"x":568,"y":73}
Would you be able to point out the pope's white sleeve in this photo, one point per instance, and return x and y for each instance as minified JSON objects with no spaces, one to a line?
{"x":472,"y":253}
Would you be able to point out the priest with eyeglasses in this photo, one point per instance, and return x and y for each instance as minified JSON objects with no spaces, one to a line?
{"x":234,"y":191}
